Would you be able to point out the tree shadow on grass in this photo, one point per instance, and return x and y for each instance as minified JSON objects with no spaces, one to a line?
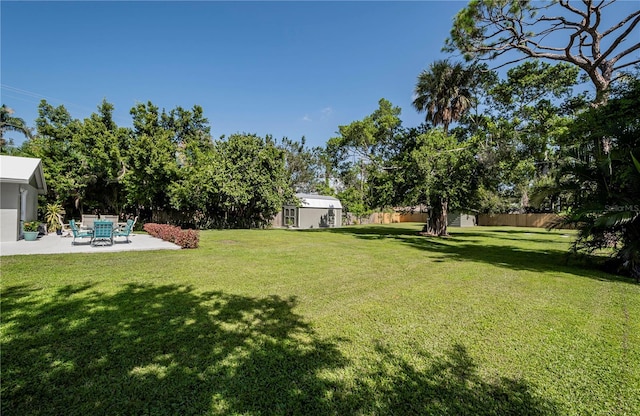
{"x":158,"y":350}
{"x":170,"y":350}
{"x":507,"y":253}
{"x":450,"y":385}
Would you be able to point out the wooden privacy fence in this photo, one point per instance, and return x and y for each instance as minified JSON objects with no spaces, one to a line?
{"x":503,"y":220}
{"x":395,"y":217}
{"x":517,"y":220}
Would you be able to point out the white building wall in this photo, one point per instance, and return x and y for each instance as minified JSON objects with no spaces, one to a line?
{"x":318,"y":217}
{"x":13,"y":205}
{"x":31,"y":209}
{"x":9,"y":211}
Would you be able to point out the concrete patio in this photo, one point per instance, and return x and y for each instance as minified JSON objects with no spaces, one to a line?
{"x":55,"y":244}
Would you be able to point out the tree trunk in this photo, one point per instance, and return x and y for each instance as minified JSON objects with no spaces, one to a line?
{"x":524,"y":201}
{"x":601,"y":81}
{"x":437,"y":222}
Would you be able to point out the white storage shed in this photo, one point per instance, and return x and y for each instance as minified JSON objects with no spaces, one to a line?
{"x":315,"y":211}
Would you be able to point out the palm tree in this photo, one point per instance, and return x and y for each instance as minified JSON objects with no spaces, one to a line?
{"x":9,"y":123}
{"x":443,"y":92}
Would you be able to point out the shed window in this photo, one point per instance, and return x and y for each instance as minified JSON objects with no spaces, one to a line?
{"x":290,"y":217}
{"x":331,"y":218}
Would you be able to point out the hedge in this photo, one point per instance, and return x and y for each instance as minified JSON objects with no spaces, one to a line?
{"x":183,"y":238}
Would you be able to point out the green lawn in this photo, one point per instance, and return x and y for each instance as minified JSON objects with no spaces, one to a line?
{"x":361,"y":320}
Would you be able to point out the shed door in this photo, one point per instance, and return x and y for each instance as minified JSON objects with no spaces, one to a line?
{"x":331,"y":218}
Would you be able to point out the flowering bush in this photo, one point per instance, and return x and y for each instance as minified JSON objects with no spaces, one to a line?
{"x":173,"y":234}
{"x":187,"y":238}
{"x":31,"y":226}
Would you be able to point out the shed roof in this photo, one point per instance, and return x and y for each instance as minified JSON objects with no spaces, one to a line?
{"x":14,"y":169}
{"x":319,"y":201}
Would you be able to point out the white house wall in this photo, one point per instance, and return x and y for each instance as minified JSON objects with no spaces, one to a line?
{"x":11,"y":207}
{"x":9,"y":211}
{"x":31,"y":211}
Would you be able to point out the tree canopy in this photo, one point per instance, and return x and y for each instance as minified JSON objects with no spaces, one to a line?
{"x":166,"y":168}
{"x":558,"y":30}
{"x":359,"y":153}
{"x":443,"y":92}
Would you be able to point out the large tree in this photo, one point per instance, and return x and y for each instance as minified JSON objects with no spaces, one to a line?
{"x":152,"y":161}
{"x":302,"y":165}
{"x":104,"y":145}
{"x":359,"y":152}
{"x":526,"y":116}
{"x":253,"y":181}
{"x":241,"y":182}
{"x":190,"y":128}
{"x":443,"y":92}
{"x":558,"y":30}
{"x":82,"y":159}
{"x":65,"y":166}
{"x":435,"y":170}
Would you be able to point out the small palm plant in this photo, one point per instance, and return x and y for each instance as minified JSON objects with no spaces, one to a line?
{"x":52,"y":216}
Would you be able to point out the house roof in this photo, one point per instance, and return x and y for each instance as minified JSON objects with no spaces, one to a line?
{"x":319,"y":201}
{"x":22,"y":170}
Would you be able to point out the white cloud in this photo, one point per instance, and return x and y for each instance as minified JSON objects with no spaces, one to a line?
{"x":323,"y":114}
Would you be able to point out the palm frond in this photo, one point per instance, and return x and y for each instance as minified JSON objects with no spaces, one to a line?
{"x":615,"y":219}
{"x":635,"y":162}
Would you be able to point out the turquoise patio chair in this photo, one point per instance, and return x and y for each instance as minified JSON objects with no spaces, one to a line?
{"x":79,"y":234}
{"x":125,"y":231}
{"x":102,"y":232}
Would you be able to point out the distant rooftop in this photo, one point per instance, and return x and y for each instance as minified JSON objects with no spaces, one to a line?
{"x":319,"y":201}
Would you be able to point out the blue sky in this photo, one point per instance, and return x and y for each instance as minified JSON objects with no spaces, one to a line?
{"x":292,"y":68}
{"x":283,"y":68}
